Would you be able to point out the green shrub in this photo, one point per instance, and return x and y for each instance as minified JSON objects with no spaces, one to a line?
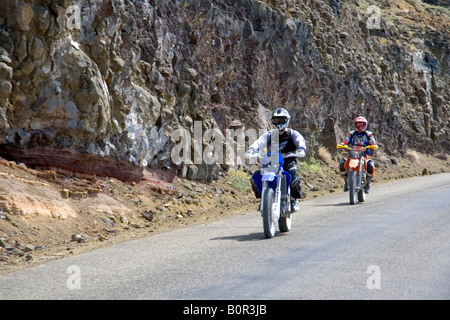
{"x":240,"y":180}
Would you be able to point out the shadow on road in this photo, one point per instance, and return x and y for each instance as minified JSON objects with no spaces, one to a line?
{"x":243,"y":237}
{"x":329,"y":205}
{"x":256,"y":236}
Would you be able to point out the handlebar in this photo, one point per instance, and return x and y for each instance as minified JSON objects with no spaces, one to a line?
{"x":344,"y":146}
{"x":254,"y":155}
{"x":297,"y":154}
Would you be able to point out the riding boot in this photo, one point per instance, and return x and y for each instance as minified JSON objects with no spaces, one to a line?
{"x":295,"y":205}
{"x":345,"y":182}
{"x":367,"y":187}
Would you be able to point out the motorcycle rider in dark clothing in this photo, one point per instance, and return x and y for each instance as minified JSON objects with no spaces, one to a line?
{"x":361,"y":137}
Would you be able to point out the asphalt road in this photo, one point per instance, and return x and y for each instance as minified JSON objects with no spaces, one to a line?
{"x":396,"y":245}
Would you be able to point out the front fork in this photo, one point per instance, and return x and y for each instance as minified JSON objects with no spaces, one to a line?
{"x":360,"y":177}
{"x":362,"y":181}
{"x":277,"y":201}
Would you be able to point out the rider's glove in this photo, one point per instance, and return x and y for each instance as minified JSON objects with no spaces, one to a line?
{"x":250,"y":152}
{"x":300,"y":153}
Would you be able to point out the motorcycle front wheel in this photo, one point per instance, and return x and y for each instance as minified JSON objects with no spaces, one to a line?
{"x":268,"y":224}
{"x":352,"y":187}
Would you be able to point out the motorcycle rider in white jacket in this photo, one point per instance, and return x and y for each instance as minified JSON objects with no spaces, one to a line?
{"x":289,"y":140}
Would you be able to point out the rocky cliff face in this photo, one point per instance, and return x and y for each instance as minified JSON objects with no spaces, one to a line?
{"x":100,"y":86}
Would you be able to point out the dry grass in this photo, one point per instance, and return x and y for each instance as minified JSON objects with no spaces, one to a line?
{"x":324,"y":155}
{"x":413,"y":156}
{"x":381,"y":156}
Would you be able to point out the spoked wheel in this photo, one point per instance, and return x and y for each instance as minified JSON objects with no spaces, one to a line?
{"x":361,"y":195}
{"x":285,"y":223}
{"x":267,"y":213}
{"x":352,"y":187}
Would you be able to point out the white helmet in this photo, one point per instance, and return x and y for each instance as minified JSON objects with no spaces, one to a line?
{"x":281,"y":118}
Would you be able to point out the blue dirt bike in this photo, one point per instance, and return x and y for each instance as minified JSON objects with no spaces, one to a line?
{"x":273,"y":184}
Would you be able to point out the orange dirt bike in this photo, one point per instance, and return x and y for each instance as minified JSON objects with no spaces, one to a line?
{"x":357,"y":171}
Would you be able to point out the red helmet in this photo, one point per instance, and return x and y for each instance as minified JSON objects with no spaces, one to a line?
{"x":360,"y":124}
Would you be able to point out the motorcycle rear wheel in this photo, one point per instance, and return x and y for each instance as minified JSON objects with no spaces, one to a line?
{"x":268,"y":224}
{"x":361,"y":195}
{"x":352,"y":187}
{"x":285,"y":223}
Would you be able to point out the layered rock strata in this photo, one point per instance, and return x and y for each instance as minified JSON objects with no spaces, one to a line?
{"x":113,"y":80}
